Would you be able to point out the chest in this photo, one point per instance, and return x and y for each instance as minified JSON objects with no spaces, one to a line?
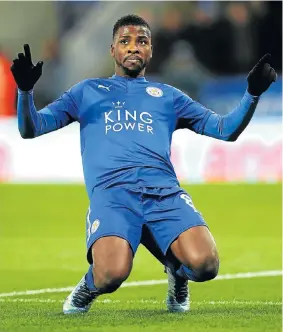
{"x":144,"y":104}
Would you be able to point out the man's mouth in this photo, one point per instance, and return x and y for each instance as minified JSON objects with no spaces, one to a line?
{"x":133,"y":59}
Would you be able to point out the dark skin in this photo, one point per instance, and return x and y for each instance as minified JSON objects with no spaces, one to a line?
{"x":131,"y":50}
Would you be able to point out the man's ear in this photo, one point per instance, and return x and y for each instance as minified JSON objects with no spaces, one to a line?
{"x":112,"y":50}
{"x":151,"y":51}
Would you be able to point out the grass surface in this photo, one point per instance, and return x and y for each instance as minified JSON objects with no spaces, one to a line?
{"x":42,"y":245}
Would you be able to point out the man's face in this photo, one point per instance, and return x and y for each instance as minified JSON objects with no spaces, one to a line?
{"x":132,"y":50}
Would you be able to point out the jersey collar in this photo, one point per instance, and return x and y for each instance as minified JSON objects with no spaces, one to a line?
{"x":125,"y":79}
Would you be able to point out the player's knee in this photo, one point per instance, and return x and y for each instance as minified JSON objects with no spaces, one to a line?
{"x":208,"y":270}
{"x":205,"y":266}
{"x":110,"y":279}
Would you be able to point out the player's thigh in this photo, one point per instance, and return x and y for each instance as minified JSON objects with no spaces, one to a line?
{"x":112,"y":256}
{"x":171,"y":216}
{"x":113,"y":226}
{"x":195,"y":247}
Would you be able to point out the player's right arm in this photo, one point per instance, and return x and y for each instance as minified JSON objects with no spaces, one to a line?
{"x":33,"y":123}
{"x":194,"y":116}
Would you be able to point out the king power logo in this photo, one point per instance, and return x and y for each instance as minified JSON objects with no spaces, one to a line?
{"x":120,"y":119}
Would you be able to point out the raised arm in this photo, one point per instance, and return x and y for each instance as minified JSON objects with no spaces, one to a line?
{"x":33,"y":123}
{"x":198,"y":118}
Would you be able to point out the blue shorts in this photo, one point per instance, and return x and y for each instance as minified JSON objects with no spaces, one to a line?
{"x":122,"y":212}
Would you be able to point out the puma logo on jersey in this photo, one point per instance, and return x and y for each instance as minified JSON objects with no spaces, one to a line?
{"x":104,"y":87}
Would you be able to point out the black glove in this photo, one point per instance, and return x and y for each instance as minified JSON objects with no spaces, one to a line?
{"x":261,"y":76}
{"x":24,"y":72}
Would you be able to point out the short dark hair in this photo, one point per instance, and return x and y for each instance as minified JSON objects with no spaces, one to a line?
{"x":129,"y":20}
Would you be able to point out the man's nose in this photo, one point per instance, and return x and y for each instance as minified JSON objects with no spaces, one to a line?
{"x":133,"y":48}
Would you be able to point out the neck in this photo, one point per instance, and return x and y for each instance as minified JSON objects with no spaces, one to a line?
{"x":120,"y":72}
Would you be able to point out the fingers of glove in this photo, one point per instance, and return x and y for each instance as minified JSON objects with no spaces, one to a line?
{"x":23,"y":61}
{"x":265,"y":59}
{"x":15,"y":66}
{"x":27,"y":53}
{"x":12,"y":68}
{"x":39,"y":64}
{"x":37,"y":70}
{"x":272,"y":75}
{"x":16,"y":73}
{"x":21,"y":56}
{"x":16,"y":62}
{"x":266,"y":70}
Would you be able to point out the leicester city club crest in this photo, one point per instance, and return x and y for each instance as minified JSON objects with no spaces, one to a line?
{"x":94,"y":226}
{"x":154,"y":92}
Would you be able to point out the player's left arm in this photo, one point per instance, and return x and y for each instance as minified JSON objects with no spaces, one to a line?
{"x":58,"y":114}
{"x":194,"y":116}
{"x":31,"y":122}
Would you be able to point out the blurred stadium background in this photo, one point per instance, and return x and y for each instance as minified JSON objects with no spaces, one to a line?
{"x":203,"y":48}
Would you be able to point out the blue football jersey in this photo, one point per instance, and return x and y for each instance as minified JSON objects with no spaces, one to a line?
{"x":126,"y":127}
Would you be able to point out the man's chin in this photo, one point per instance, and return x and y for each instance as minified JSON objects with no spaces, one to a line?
{"x":132,"y":71}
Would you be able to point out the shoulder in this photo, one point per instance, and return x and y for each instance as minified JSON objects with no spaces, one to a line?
{"x":168,"y":88}
{"x":175,"y":90}
{"x":82,"y":84}
{"x":89,"y":85}
{"x":159,"y":89}
{"x":89,"y":82}
{"x":158,"y":85}
{"x":180,"y":95}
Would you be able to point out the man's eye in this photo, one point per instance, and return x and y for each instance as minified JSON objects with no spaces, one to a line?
{"x":124,"y":41}
{"x":143,"y":42}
